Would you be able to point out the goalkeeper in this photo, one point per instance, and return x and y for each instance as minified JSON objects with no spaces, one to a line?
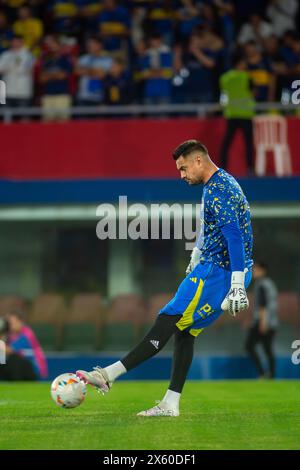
{"x":216,"y":279}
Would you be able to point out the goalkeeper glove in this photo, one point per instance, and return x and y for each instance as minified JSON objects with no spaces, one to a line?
{"x":195,"y":258}
{"x":236,"y":299}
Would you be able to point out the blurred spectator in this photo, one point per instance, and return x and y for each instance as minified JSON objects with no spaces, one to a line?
{"x":65,"y":15}
{"x":209,"y":15}
{"x":55,"y":75}
{"x":6,"y":33}
{"x":138,"y":15}
{"x":117,"y":84}
{"x":16,"y":68}
{"x":188,"y":17}
{"x":238,"y":103}
{"x":277,"y":63}
{"x":244,"y":9}
{"x":156,"y":68}
{"x":89,"y":11}
{"x":256,"y":30}
{"x":265,"y":320}
{"x":293,"y":60}
{"x":160,"y":18}
{"x":287,"y":44}
{"x":138,"y":74}
{"x":291,"y":53}
{"x":11,"y":7}
{"x":114,"y":25}
{"x":30,"y":28}
{"x":225,"y":10}
{"x":282,"y":14}
{"x":200,"y":58}
{"x":16,"y":367}
{"x":260,"y":71}
{"x":92,"y":68}
{"x":23,"y":340}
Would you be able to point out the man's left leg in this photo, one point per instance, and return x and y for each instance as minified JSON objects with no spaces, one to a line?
{"x":182,"y":359}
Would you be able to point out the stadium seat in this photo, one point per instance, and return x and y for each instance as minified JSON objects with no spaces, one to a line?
{"x":124,"y":318}
{"x":270,"y":134}
{"x":9,"y":302}
{"x":154,"y":304}
{"x":79,"y":337}
{"x":47,"y":335}
{"x":82,"y":323}
{"x":46,"y":317}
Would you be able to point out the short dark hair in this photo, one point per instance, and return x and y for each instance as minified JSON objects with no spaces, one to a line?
{"x":188,"y":147}
{"x":262,"y":264}
{"x":16,"y":312}
{"x":18,"y":36}
{"x":155,"y":35}
{"x":94,"y":37}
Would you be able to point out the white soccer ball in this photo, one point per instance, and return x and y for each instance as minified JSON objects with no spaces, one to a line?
{"x":68,"y":391}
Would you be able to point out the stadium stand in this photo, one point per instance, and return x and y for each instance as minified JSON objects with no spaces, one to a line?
{"x":8,"y":303}
{"x":123,"y":321}
{"x":83,"y":321}
{"x":147,"y":52}
{"x":87,"y":323}
{"x":47,"y":316}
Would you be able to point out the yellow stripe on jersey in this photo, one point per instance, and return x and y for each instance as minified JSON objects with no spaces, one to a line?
{"x":187,"y":317}
{"x":195,"y":332}
{"x":62,"y":10}
{"x":260,"y":77}
{"x":113,"y":27}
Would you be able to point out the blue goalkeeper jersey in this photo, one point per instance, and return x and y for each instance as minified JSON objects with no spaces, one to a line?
{"x":223,"y":202}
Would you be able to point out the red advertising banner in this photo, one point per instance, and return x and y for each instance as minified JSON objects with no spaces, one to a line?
{"x":116,"y":148}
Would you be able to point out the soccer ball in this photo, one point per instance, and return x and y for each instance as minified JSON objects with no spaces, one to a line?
{"x":68,"y":391}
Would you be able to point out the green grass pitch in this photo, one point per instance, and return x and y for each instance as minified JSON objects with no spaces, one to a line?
{"x":214,"y":415}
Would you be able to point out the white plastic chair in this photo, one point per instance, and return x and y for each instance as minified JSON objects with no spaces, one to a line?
{"x":270,"y":134}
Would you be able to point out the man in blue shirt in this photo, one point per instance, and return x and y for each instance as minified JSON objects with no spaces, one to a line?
{"x":216,"y":278}
{"x":6,"y":33}
{"x":55,"y":76}
{"x":156,"y":68}
{"x":92,"y":69}
{"x":114,"y":25}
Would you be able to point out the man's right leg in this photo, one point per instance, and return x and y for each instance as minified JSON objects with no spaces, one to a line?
{"x":252,"y":339}
{"x":267,"y":343}
{"x":153,"y":342}
{"x":247,"y":128}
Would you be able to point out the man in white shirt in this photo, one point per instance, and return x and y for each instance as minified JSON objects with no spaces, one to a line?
{"x":16,"y":69}
{"x":255,"y":30}
{"x":282,"y":14}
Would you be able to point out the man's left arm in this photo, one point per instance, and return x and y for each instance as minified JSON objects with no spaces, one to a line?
{"x":224,"y":207}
